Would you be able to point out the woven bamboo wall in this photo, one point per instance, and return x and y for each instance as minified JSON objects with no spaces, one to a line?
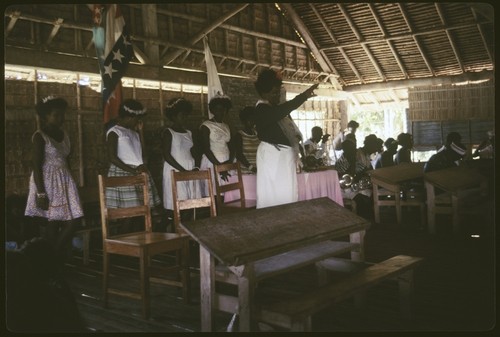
{"x":447,"y":102}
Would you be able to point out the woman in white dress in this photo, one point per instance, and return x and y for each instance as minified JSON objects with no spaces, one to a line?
{"x":178,"y":152}
{"x":216,"y":138}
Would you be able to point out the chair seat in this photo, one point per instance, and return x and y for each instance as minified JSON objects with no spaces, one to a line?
{"x":144,"y":239}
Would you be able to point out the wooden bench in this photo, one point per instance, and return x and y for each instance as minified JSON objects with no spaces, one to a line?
{"x":295,"y":313}
{"x":279,"y":264}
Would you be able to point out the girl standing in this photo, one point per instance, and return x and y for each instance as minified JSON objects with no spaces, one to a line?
{"x":216,"y":137}
{"x":125,"y":143}
{"x":53,"y":193}
{"x":178,"y":152}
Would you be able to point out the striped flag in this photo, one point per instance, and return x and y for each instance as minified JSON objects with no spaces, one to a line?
{"x":114,"y":51}
{"x":213,"y":81}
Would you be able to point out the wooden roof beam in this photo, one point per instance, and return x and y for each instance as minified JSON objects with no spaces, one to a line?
{"x":328,"y":31}
{"x":167,"y":59}
{"x":418,"y":82}
{"x":389,"y":43}
{"x":481,"y":32}
{"x":394,"y":96}
{"x":353,"y":68}
{"x":419,"y":47}
{"x":306,"y":35}
{"x":55,"y":29}
{"x":13,"y":19}
{"x":150,"y":29}
{"x":450,"y":38}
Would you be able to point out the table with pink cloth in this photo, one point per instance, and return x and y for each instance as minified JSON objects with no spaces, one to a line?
{"x":311,"y":185}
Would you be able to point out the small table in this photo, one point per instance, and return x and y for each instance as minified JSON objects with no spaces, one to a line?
{"x":454,"y":181}
{"x":241,"y":242}
{"x":311,"y":185}
{"x":391,"y":178}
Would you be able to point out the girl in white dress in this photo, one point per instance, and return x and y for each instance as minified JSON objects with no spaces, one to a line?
{"x":178,"y":152}
{"x":216,"y":138}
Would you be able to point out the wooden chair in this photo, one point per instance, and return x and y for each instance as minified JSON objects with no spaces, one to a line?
{"x":236,"y":205}
{"x":143,"y":244}
{"x":188,"y":204}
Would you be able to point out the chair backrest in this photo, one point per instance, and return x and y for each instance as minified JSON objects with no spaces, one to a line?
{"x":222,"y":187}
{"x":140,"y":180}
{"x":184,"y":204}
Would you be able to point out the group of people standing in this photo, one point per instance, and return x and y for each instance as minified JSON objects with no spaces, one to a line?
{"x":266,"y":145}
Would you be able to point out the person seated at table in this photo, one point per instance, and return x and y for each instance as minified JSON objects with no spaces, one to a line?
{"x":352,"y":126}
{"x":278,"y":151}
{"x":386,"y":159}
{"x":312,"y":146}
{"x":404,"y":153}
{"x":451,"y":156}
{"x":360,"y":190}
{"x":486,"y":150}
{"x":246,"y":141}
{"x":346,"y":164}
{"x":215,"y":138}
{"x":378,"y":153}
{"x":451,"y":137}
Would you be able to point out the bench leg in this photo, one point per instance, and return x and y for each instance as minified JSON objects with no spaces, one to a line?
{"x":406,"y":284}
{"x":302,"y":325}
{"x":86,"y":247}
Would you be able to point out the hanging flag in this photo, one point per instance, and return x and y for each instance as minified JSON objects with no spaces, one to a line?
{"x":114,"y":51}
{"x":213,"y":81}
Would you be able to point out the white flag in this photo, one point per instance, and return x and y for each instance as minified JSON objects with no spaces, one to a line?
{"x":214,"y":86}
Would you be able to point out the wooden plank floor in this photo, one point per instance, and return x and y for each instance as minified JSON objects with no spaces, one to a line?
{"x":454,"y":287}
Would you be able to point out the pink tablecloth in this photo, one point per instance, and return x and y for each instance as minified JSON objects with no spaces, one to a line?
{"x":311,"y":185}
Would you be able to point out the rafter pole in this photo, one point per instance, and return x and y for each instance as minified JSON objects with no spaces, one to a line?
{"x":450,"y":38}
{"x":306,"y":35}
{"x":328,"y":31}
{"x":55,"y":29}
{"x":353,"y":68}
{"x":360,"y":38}
{"x":410,"y":26}
{"x":194,"y":39}
{"x":481,"y":32}
{"x":150,"y":28}
{"x":389,"y":43}
{"x":13,"y":19}
{"x":394,"y":96}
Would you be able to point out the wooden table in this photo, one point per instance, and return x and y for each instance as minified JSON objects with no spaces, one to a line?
{"x":391,"y":178}
{"x":259,"y":242}
{"x":454,"y":181}
{"x":311,"y":185}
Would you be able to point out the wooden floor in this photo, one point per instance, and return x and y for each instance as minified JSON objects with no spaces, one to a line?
{"x":454,"y":288}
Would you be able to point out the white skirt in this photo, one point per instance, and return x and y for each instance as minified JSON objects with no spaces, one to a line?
{"x":276,"y":175}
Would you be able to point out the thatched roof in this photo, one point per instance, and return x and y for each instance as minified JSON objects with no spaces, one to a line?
{"x":357,"y":47}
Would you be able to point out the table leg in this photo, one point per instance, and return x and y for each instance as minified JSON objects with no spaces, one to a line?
{"x":207,"y":289}
{"x":245,"y":299}
{"x":359,"y":238}
{"x":454,"y":207}
{"x":430,"y":208}
{"x":397,"y":197}
{"x":376,"y":203}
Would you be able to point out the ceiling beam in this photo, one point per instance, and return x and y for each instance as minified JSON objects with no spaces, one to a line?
{"x":415,"y":38}
{"x":55,"y":29}
{"x":450,"y":38}
{"x":13,"y":19}
{"x":167,"y":59}
{"x":483,"y":38}
{"x":389,"y":43}
{"x":150,"y":29}
{"x":420,"y":82}
{"x":306,"y":36}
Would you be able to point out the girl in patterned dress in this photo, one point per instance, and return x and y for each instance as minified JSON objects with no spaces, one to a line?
{"x":125,"y":143}
{"x":247,"y":142}
{"x":53,"y":193}
{"x":178,"y":152}
{"x":216,"y":137}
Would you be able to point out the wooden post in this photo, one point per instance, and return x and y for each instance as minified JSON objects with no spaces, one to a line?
{"x":80,"y":131}
{"x":207,"y":289}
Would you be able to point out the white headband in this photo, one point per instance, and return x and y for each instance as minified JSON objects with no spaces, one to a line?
{"x":48,"y":98}
{"x":457,"y":149}
{"x":134,"y":112}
